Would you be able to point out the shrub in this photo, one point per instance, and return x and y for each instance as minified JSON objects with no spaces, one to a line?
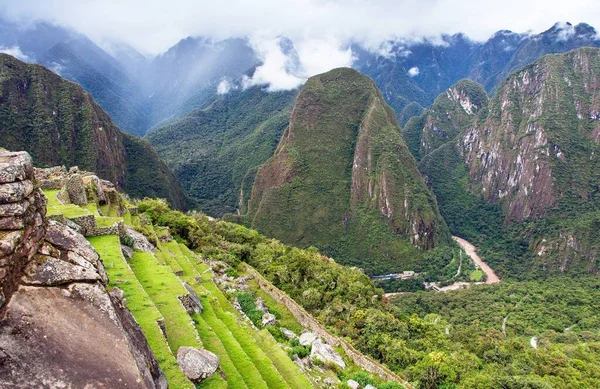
{"x":247,"y":304}
{"x":127,"y":241}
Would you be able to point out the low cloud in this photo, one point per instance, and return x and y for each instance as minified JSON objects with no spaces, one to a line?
{"x":225,"y":86}
{"x":286,"y":66}
{"x":413,"y":72}
{"x":16,"y":52}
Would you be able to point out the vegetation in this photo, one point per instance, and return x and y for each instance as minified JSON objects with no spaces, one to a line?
{"x":59,"y":123}
{"x":535,"y":247}
{"x":342,"y":180}
{"x":140,"y":305}
{"x":411,"y":337}
{"x":215,"y":151}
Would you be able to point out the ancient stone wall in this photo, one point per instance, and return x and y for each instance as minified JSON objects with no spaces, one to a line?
{"x":309,"y":322}
{"x":22,"y":211}
{"x":59,"y":327}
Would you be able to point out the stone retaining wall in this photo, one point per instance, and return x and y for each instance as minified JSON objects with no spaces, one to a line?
{"x":309,"y":322}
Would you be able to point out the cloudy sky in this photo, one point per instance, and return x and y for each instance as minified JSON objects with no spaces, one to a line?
{"x":151,"y":26}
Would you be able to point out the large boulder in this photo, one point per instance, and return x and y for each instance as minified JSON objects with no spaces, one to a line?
{"x":191,"y":301}
{"x":307,"y":338}
{"x":260,"y":305}
{"x":325,"y":353}
{"x":268,"y":319}
{"x":287,"y":333}
{"x":353,"y":384}
{"x":197,"y":364}
{"x":139,"y":241}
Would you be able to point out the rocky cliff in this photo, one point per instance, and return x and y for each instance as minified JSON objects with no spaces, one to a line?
{"x":450,"y":113}
{"x":538,"y":141}
{"x":524,"y":171}
{"x":59,"y":326}
{"x":342,"y":179}
{"x":59,"y":123}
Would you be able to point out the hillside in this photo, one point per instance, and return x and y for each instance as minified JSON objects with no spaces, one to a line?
{"x":59,"y":123}
{"x":524,"y":171}
{"x":343,"y":180}
{"x":214,"y":152}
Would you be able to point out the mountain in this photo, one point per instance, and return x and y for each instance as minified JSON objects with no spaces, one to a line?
{"x":76,"y":58}
{"x":187,"y":75}
{"x":343,"y":180}
{"x":59,"y":123}
{"x":215,"y":151}
{"x":417,"y":72}
{"x":527,"y":164}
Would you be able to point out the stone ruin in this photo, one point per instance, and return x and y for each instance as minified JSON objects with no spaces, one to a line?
{"x":59,"y":326}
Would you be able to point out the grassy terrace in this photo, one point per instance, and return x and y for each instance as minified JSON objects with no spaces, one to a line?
{"x":140,"y":305}
{"x":256,"y":354}
{"x":152,"y":284}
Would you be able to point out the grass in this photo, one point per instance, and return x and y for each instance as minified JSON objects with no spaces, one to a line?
{"x":164,"y":287}
{"x":107,"y":221}
{"x":141,"y":306}
{"x":477,"y":275}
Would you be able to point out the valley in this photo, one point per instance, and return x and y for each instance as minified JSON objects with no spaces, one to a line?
{"x":297,"y":207}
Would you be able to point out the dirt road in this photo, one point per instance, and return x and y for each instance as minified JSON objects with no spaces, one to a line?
{"x":492,"y":278}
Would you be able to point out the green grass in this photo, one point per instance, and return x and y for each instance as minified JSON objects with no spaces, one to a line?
{"x":477,"y":275}
{"x":163,"y":287}
{"x":141,"y":306}
{"x":55,"y":207}
{"x":107,"y":221}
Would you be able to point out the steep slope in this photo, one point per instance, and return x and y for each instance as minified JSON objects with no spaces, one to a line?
{"x":343,"y":180}
{"x":449,"y":114}
{"x":419,"y":71}
{"x":187,"y":75}
{"x":58,"y":123}
{"x":82,"y":61}
{"x":215,"y":151}
{"x":522,"y":177}
{"x":59,"y":325}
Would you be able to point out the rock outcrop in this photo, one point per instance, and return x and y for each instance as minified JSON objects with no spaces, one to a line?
{"x":197,"y":364}
{"x":59,"y":326}
{"x":326,"y":353}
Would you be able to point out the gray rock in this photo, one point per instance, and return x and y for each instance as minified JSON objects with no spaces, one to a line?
{"x":197,"y":364}
{"x":306,"y":338}
{"x":329,"y":382}
{"x":127,"y":251}
{"x":14,"y":166}
{"x":191,"y":301}
{"x":268,"y":319}
{"x":49,"y":271}
{"x":66,"y":238}
{"x":14,"y":209}
{"x":325,"y":353}
{"x":287,"y":333}
{"x":352,"y":384}
{"x":9,"y":240}
{"x":260,"y":305}
{"x":369,"y":386}
{"x":140,"y":242}
{"x":76,"y":190}
{"x":15,"y":191}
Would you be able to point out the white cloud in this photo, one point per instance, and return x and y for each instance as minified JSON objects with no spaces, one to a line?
{"x":224,"y":87}
{"x":413,"y":72}
{"x":16,"y":52}
{"x":152,"y":26}
{"x":565,"y":32}
{"x":284,"y":68}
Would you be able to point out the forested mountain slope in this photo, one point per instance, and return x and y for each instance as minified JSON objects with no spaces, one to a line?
{"x":59,"y":123}
{"x":527,"y":165}
{"x":342,"y":179}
